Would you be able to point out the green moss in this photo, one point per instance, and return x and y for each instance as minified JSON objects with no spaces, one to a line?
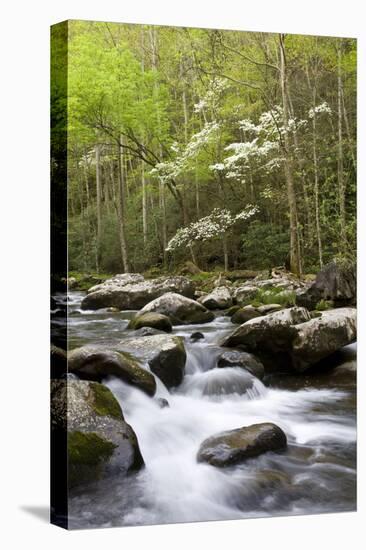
{"x":104,"y":402}
{"x":275,"y":296}
{"x":86,"y":280}
{"x":88,"y":448}
{"x":323,"y":305}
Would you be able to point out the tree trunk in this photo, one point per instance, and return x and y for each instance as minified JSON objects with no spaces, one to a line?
{"x":226,"y":253}
{"x":341,"y":186}
{"x":121,"y":217}
{"x":316,"y":186}
{"x":144,"y":205}
{"x":295,"y":260}
{"x":99,"y":207}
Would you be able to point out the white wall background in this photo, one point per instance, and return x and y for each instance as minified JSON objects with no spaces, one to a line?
{"x":24,"y":271}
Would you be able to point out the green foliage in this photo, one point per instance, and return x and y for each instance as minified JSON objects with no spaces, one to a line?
{"x":275,"y":295}
{"x":264,"y":245}
{"x":323,"y":305}
{"x":180,"y":136}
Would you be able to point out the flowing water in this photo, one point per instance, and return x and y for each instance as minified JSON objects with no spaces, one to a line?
{"x":317,"y":473}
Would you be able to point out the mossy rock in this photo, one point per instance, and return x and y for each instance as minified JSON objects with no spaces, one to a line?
{"x":103,"y":401}
{"x":236,"y":446}
{"x":86,"y":454}
{"x":242,"y":315}
{"x":100,"y":443}
{"x":233,"y":309}
{"x":152,"y":320}
{"x":96,"y":363}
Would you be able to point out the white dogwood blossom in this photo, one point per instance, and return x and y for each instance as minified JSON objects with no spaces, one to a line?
{"x":172,"y":169}
{"x":210,"y":227}
{"x":319,"y":109}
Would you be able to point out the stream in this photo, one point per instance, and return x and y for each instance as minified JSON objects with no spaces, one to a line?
{"x":316,"y":474}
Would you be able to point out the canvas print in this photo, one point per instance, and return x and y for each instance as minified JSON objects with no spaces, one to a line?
{"x":203,"y":287}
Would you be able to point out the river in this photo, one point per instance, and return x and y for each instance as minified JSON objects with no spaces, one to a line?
{"x":316,"y":474}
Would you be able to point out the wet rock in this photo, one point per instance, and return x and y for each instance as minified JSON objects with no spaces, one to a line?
{"x":58,"y":362}
{"x":243,"y":360}
{"x":220,"y":382}
{"x":147,"y":331}
{"x":195,"y":336}
{"x":152,"y":320}
{"x":163,"y":403}
{"x":245,"y":314}
{"x":165,"y":355}
{"x":235,"y":446}
{"x":244,"y":293}
{"x":131,"y":291}
{"x":274,"y":332}
{"x":269,"y":308}
{"x":233,"y":309}
{"x":335,"y":282}
{"x":96,"y":363}
{"x":100,"y":443}
{"x":180,"y":310}
{"x":219,"y":298}
{"x":321,"y":337}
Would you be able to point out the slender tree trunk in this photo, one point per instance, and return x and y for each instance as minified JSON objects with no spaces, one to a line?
{"x":346,"y":123}
{"x":121,"y":217}
{"x":341,"y":185}
{"x":99,"y":207}
{"x":295,"y":260}
{"x":162,"y":201}
{"x":226,"y":253}
{"x":301,"y":163}
{"x":316,"y":185}
{"x":144,"y":204}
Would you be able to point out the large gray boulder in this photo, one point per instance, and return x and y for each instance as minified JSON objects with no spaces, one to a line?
{"x":152,"y":320}
{"x":131,"y":291}
{"x":96,"y":363}
{"x":273,"y":332}
{"x":236,"y":446}
{"x":219,"y":298}
{"x":244,"y":314}
{"x":242,"y":294}
{"x":335,"y":282}
{"x":179,"y":309}
{"x":165,"y":355}
{"x":100,"y":443}
{"x":322,"y":336}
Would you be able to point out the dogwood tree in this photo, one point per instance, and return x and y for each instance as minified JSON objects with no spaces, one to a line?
{"x":216,"y":225}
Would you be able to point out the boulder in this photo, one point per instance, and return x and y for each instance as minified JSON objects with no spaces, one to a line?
{"x":242,"y":294}
{"x":180,"y":310}
{"x":235,"y":446}
{"x":131,"y":291}
{"x":58,"y":362}
{"x":165,"y":355}
{"x":244,"y":314}
{"x":219,"y":298}
{"x":96,"y":363}
{"x":335,"y":282}
{"x":242,"y":359}
{"x":322,"y":336}
{"x":274,"y":332}
{"x":152,"y":320}
{"x":269,"y":308}
{"x":195,"y":336}
{"x":100,"y":443}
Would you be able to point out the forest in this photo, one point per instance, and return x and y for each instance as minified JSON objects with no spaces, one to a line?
{"x":204,"y":324}
{"x":233,"y":150}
